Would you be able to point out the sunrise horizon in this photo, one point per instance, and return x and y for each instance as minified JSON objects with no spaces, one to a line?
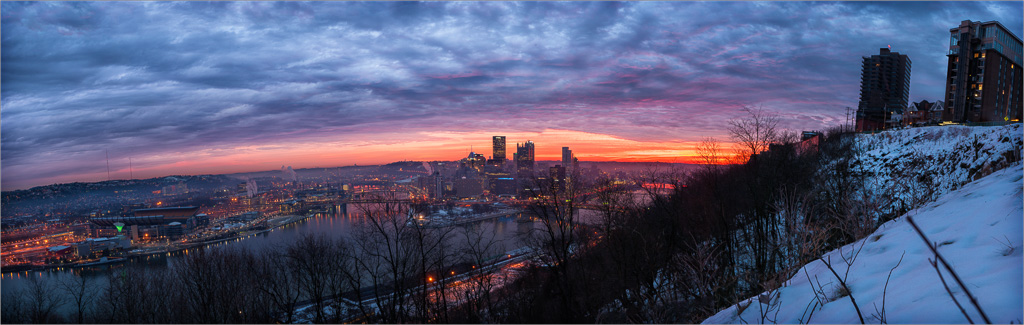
{"x":443,"y":146}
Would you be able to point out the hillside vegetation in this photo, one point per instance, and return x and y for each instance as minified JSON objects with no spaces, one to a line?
{"x":963,"y":186}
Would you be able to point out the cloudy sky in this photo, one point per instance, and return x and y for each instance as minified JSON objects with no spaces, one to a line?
{"x":193,"y":88}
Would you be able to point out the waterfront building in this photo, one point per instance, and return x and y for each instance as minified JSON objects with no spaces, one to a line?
{"x":884,"y":89}
{"x":95,"y":246}
{"x":983,"y":74}
{"x":156,"y":223}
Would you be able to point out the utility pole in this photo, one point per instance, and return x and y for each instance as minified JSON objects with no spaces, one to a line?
{"x":847,"y":116}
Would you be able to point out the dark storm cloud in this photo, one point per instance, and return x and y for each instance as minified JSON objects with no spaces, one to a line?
{"x":158,"y":78}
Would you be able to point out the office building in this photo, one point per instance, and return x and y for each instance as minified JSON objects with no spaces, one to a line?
{"x":498,"y":142}
{"x":525,"y":159}
{"x":432,"y":185}
{"x":469,"y":187}
{"x":566,"y":157}
{"x":884,"y":89}
{"x":558,"y":179}
{"x":983,"y":74}
{"x":503,"y":186}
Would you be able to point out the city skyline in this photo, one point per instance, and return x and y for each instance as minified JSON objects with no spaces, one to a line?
{"x":210,"y":88}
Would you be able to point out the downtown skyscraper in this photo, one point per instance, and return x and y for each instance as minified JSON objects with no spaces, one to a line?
{"x":566,"y":157}
{"x":498,"y":144}
{"x":525,"y":159}
{"x":983,"y":74}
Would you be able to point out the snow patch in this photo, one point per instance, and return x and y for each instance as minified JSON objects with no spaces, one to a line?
{"x":978,"y":227}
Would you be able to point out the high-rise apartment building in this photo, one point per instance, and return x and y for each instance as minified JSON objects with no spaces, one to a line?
{"x":525,"y":159}
{"x":498,"y":142}
{"x":884,"y":89}
{"x":983,"y":73}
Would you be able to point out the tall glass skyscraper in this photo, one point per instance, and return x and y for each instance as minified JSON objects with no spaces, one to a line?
{"x":498,"y":142}
{"x":566,"y":157}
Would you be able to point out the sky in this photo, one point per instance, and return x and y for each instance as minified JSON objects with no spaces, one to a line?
{"x":178,"y":88}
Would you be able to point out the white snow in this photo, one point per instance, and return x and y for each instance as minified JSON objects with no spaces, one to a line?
{"x":909,"y":163}
{"x":979,"y":229}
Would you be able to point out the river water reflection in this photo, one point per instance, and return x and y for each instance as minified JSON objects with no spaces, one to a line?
{"x":511,"y":232}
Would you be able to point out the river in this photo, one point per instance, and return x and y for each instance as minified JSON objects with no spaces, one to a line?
{"x":510,"y":231}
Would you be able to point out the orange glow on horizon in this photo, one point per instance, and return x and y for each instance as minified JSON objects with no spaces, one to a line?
{"x":418,"y":146}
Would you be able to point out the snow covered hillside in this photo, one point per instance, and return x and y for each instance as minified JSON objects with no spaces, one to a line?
{"x":978,"y":228}
{"x":916,"y":165}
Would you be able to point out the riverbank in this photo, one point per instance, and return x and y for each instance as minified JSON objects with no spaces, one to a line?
{"x":457,"y":221}
{"x":278,"y":222}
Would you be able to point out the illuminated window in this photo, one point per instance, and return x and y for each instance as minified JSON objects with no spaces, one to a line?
{"x":975,"y":55}
{"x":983,"y":55}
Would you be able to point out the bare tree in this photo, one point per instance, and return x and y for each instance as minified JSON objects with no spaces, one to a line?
{"x":157,"y":296}
{"x":803,"y":241}
{"x":311,"y":259}
{"x":709,"y":151}
{"x":611,"y":201}
{"x":342,"y":277}
{"x":435,"y":257}
{"x":274,"y":278}
{"x":216,"y":287}
{"x":13,"y":307}
{"x":80,"y":290}
{"x":388,"y":254}
{"x":755,"y":132}
{"x":127,"y":297}
{"x":478,"y":248}
{"x":702,"y":276}
{"x":562,"y":235}
{"x":43,"y":300}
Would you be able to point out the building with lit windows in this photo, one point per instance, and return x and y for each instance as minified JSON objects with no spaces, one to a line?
{"x":566,"y":157}
{"x":469,"y":187}
{"x":525,"y":159}
{"x":983,"y":74}
{"x":472,"y":164}
{"x":558,"y":180}
{"x":498,"y":155}
{"x":884,"y":89}
{"x":150,"y":224}
{"x":923,"y":113}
